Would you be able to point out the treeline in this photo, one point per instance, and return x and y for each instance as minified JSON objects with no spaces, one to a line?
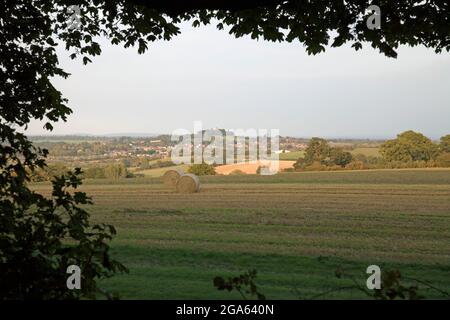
{"x":98,"y":146}
{"x":107,"y":171}
{"x":111,"y":171}
{"x":145,"y":164}
{"x":409,"y":150}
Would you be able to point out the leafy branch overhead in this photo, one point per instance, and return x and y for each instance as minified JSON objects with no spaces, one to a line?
{"x":315,"y":24}
{"x":31,"y":30}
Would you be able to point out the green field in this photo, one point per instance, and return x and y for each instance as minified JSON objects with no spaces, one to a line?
{"x":294,"y":228}
{"x":159,"y":172}
{"x":294,"y":155}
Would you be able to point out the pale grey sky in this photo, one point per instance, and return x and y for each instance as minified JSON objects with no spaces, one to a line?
{"x":205,"y":74}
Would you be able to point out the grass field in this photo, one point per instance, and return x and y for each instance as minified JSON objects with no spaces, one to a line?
{"x":294,"y":228}
{"x":159,"y":172}
{"x":294,"y":155}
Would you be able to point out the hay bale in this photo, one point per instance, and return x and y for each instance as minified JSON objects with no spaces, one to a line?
{"x":188,"y":183}
{"x":171,"y":177}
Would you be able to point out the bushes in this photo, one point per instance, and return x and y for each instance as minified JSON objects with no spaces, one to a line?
{"x":300,"y":164}
{"x":203,"y":169}
{"x":443,"y":160}
{"x":41,"y":237}
{"x":95,"y":173}
{"x":444,"y":146}
{"x":319,"y":155}
{"x":47,"y":173}
{"x":146,"y":164}
{"x":112,"y":171}
{"x":356,"y":165}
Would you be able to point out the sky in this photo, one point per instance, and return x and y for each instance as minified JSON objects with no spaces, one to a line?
{"x":207,"y":75}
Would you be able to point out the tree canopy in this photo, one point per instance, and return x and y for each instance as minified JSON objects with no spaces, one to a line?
{"x":445,"y":143}
{"x":409,"y":146}
{"x":319,"y":23}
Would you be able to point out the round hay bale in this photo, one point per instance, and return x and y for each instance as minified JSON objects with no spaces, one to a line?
{"x":171,"y":177}
{"x":188,"y":183}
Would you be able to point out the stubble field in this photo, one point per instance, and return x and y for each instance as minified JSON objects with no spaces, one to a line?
{"x":295,"y":229}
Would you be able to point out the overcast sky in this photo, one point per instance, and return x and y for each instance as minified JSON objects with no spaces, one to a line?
{"x":207,"y":75}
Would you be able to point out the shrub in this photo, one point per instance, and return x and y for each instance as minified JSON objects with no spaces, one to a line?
{"x":40,"y":238}
{"x":300,"y":164}
{"x":203,"y":169}
{"x":315,"y":166}
{"x":443,"y":160}
{"x":356,"y":165}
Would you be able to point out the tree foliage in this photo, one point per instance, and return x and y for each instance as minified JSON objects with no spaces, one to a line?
{"x":244,"y":284}
{"x":319,"y":153}
{"x":443,"y":160}
{"x":394,"y":286}
{"x":312,"y":22}
{"x":40,"y":238}
{"x":409,"y":146}
{"x":444,"y":146}
{"x":318,"y":150}
{"x":340,"y":157}
{"x":203,"y":169}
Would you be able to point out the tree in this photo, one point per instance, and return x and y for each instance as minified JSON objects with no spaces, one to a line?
{"x":318,"y":150}
{"x":445,"y":143}
{"x":311,"y":22}
{"x":34,"y":248}
{"x":340,"y":157}
{"x":443,"y":160}
{"x":409,"y":146}
{"x":116,"y":171}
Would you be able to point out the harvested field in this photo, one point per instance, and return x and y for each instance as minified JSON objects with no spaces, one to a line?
{"x":294,"y":228}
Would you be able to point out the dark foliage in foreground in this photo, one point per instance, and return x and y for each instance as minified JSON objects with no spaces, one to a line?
{"x":392,"y":287}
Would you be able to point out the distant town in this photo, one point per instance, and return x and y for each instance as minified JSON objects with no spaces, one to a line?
{"x":86,"y":150}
